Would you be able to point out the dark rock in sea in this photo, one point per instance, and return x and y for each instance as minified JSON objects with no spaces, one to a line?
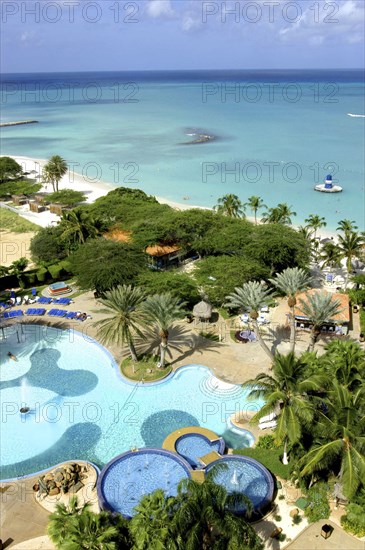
{"x":199,"y":137}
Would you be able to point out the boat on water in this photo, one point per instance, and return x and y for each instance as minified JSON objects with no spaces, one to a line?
{"x":328,"y":186}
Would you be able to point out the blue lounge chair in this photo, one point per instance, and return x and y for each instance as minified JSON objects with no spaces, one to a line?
{"x":40,"y":311}
{"x":44,"y":300}
{"x":52,"y":312}
{"x":12,"y":314}
{"x":30,"y":311}
{"x":61,"y":313}
{"x":63,"y":301}
{"x":71,"y":315}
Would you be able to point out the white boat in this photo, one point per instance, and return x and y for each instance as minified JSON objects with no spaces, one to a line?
{"x":328,"y":186}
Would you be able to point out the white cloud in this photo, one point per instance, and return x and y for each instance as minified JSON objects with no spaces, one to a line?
{"x":160,"y":9}
{"x":343,"y":22}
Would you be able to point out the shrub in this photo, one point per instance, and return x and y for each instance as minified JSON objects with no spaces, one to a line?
{"x":42,"y":274}
{"x":277,"y":517}
{"x":354,"y":520}
{"x":55,"y":271}
{"x":297,"y":519}
{"x":318,"y":506}
{"x":266,"y":442}
{"x":29,"y":278}
{"x":281,"y":537}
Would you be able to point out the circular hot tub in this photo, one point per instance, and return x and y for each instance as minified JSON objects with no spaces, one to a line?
{"x":128,"y":477}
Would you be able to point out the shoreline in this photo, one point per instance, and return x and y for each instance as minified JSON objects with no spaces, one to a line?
{"x":95,"y":190}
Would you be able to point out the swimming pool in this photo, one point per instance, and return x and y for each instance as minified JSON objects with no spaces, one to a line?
{"x":80,"y":407}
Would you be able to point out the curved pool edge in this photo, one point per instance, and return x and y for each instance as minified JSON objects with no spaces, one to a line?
{"x":27,"y":476}
{"x":241,"y":431}
{"x":123,"y":456}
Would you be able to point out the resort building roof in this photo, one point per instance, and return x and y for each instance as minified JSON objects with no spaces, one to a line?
{"x":342,"y":317}
{"x":158,"y":250}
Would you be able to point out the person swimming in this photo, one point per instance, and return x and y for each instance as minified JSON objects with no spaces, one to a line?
{"x":12,"y":356}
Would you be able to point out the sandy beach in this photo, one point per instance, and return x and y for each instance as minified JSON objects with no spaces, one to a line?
{"x":95,"y":189}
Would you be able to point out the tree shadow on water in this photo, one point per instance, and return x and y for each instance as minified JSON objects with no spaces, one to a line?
{"x":45,"y":373}
{"x":159,"y":425}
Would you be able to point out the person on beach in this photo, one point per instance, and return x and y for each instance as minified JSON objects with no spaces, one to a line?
{"x":12,"y":356}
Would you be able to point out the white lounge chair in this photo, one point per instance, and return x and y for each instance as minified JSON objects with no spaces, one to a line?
{"x":266,"y":425}
{"x":18,"y":301}
{"x":267,"y":418}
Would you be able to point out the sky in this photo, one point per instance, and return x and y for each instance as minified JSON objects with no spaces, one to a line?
{"x":107,"y":35}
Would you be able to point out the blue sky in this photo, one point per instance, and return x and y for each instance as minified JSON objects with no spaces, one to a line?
{"x":82,"y":35}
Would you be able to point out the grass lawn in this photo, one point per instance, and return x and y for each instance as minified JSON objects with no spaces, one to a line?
{"x":270,"y":458}
{"x":146,"y":369}
{"x":9,"y":221}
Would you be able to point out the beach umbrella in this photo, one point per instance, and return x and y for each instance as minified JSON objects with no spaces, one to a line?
{"x":203,"y":310}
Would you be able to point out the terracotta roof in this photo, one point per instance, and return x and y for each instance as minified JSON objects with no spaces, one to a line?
{"x":342,"y":317}
{"x":118,"y":235}
{"x":158,"y":250}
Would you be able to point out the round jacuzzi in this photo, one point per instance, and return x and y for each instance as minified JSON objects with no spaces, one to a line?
{"x":245,"y":475}
{"x":128,"y":477}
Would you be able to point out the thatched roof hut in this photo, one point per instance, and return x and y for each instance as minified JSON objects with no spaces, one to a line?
{"x":203,"y":310}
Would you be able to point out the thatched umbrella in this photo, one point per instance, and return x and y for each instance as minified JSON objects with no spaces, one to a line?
{"x":203,"y":310}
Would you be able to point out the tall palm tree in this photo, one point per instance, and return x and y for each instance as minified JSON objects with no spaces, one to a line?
{"x":124,"y":306}
{"x":342,"y":448}
{"x":255,"y":203}
{"x":315,"y":222}
{"x":151,"y":526}
{"x":54,"y":170}
{"x":347,"y":226}
{"x":230,"y":205}
{"x":350,"y":245}
{"x":281,"y":213}
{"x":291,"y":281}
{"x":163,"y":310}
{"x":252,"y":295}
{"x":285,"y":392}
{"x":78,"y":226}
{"x":204,"y":518}
{"x":330,"y":255}
{"x":319,"y":308}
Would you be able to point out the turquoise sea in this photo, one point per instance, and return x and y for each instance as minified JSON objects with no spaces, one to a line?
{"x":277,"y":133}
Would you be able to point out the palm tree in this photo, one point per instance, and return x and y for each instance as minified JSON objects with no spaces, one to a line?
{"x":330,"y":255}
{"x":344,"y":361}
{"x":347,"y":226}
{"x":350,"y":245}
{"x":319,"y":308}
{"x":291,"y":281}
{"x":89,"y":531}
{"x":163,"y":310}
{"x":305,"y":232}
{"x":59,"y":520}
{"x":230,"y":205}
{"x":315,"y":222}
{"x":151,"y":526}
{"x":343,"y":447}
{"x":279,"y":214}
{"x":255,"y":203}
{"x":54,"y":170}
{"x":205,"y":517}
{"x":79,"y":226}
{"x":285,"y":392}
{"x":252,"y":295}
{"x":123,"y":304}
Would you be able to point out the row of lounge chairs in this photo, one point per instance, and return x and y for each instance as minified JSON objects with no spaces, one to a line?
{"x":52,"y":312}
{"x":58,"y":301}
{"x":39,"y":300}
{"x":35,"y":311}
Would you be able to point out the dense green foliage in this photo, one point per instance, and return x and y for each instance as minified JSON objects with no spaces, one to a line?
{"x":47,"y":245}
{"x":9,"y":169}
{"x":354,"y":519}
{"x":19,"y":188}
{"x":179,"y":285}
{"x":219,"y":275}
{"x":101,"y":265}
{"x":67,"y":197}
{"x":318,"y":506}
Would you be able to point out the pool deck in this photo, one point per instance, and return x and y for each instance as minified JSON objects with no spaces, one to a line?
{"x":311,"y":539}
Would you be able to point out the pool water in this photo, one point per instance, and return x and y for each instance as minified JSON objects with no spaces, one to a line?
{"x":81,"y":408}
{"x":126,"y":479}
{"x":193,"y":446}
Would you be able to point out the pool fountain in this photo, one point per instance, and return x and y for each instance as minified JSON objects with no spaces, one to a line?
{"x":234,"y":479}
{"x":24,"y":392}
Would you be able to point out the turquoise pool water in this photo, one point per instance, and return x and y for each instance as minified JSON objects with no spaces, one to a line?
{"x":81,"y":408}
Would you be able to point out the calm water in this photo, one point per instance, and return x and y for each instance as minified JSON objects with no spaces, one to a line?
{"x":80,"y":408}
{"x":278,"y":133}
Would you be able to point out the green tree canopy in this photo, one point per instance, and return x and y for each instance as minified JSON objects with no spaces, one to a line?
{"x":180,"y":285}
{"x":101,"y":264}
{"x":9,"y":169}
{"x":67,"y":197}
{"x":219,"y":275}
{"x":47,"y":246}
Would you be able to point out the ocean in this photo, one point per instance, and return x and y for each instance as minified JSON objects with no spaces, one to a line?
{"x":193,"y":136}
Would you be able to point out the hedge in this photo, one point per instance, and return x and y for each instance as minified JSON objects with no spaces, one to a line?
{"x":56,"y":271}
{"x":42,"y":275}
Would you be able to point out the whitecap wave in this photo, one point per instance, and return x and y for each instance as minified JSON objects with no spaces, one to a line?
{"x":356,"y":116}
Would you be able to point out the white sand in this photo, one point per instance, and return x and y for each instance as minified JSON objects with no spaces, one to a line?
{"x":94,"y":190}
